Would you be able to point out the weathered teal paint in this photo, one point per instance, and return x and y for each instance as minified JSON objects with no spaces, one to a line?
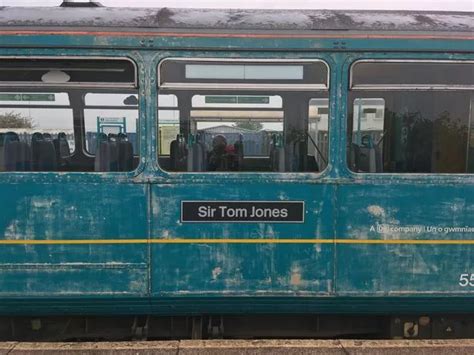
{"x":264,"y":269}
{"x":55,"y":211}
{"x":230,"y":278}
{"x":337,"y":43}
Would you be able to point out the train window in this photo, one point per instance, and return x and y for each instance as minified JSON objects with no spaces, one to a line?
{"x":411,"y":117}
{"x":112,"y":115}
{"x":50,"y":109}
{"x":246,"y":116}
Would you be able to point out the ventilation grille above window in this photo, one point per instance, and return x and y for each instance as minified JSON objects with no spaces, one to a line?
{"x":412,"y":74}
{"x":22,"y":72}
{"x":247,"y":74}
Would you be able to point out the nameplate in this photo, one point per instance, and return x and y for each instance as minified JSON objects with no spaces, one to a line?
{"x":243,"y":211}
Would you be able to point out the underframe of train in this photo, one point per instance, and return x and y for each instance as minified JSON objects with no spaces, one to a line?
{"x":121,"y":328}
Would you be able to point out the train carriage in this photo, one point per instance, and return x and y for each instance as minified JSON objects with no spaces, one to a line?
{"x":237,"y":172}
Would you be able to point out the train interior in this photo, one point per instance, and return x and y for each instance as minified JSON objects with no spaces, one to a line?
{"x":241,"y":131}
{"x":243,"y":116}
{"x":411,"y":118}
{"x":429,"y":135}
{"x":68,"y":116}
{"x":82,"y":115}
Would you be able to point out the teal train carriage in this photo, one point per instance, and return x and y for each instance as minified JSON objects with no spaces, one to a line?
{"x":179,"y":173}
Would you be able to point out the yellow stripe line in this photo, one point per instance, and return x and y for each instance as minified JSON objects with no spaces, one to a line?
{"x":239,"y":241}
{"x":405,"y":241}
{"x":73,"y":241}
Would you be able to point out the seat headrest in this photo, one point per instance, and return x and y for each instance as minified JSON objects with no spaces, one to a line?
{"x":36,"y":137}
{"x":11,"y":137}
{"x":102,"y":137}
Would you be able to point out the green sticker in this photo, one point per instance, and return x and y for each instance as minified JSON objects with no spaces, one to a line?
{"x":27,"y":97}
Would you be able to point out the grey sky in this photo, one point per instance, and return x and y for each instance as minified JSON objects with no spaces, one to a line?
{"x":437,"y":5}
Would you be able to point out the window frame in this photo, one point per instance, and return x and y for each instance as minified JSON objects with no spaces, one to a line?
{"x":275,"y":88}
{"x":85,"y":54}
{"x":400,"y":57}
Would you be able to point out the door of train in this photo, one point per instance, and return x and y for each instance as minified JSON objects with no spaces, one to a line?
{"x":405,"y":221}
{"x":242,"y":205}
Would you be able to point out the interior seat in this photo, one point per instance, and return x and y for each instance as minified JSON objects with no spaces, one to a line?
{"x":43,"y":152}
{"x":125,"y":153}
{"x":196,"y":158}
{"x":366,"y":158}
{"x":2,"y":143}
{"x":113,"y":158}
{"x":178,"y":154}
{"x":239,"y":152}
{"x":277,"y":154}
{"x":16,"y":154}
{"x":101,"y":162}
{"x":108,"y":153}
{"x":63,"y":153}
{"x":48,"y":154}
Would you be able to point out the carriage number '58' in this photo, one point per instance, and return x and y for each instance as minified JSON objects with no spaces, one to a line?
{"x":466,"y":280}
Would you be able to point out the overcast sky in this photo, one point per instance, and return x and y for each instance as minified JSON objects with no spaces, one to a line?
{"x":438,"y":5}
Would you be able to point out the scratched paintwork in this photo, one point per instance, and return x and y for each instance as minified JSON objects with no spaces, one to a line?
{"x":69,"y":211}
{"x":273,"y":269}
{"x":403,"y":269}
{"x":237,"y":19}
{"x":223,"y":278}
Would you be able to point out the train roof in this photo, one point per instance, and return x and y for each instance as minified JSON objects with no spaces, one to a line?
{"x":151,"y":19}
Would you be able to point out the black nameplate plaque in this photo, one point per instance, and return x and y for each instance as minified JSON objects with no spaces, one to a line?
{"x":243,"y":211}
